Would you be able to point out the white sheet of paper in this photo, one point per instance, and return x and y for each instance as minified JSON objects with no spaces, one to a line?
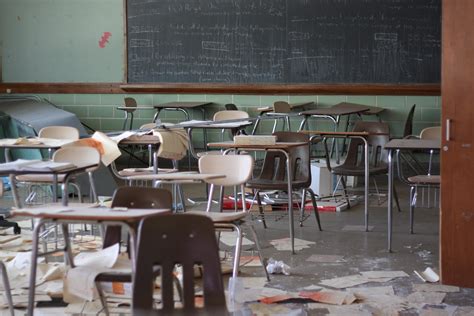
{"x":383,"y":274}
{"x":230,"y":238}
{"x":284,"y":244}
{"x":423,"y":287}
{"x":110,"y":147}
{"x":105,"y":258}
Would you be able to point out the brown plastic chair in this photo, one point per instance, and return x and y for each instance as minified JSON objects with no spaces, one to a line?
{"x":135,"y":197}
{"x":408,"y":129}
{"x":353,"y":164}
{"x":426,"y":180}
{"x":183,"y":239}
{"x":273,"y":174}
{"x":231,"y":107}
{"x":131,"y":105}
{"x":131,"y":197}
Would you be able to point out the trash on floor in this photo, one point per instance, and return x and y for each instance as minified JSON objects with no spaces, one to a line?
{"x":284,"y":244}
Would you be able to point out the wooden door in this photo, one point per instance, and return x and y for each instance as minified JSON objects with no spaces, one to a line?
{"x":457,"y":155}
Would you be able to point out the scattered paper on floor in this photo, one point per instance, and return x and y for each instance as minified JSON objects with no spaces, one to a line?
{"x":428,"y":275}
{"x":326,"y":259}
{"x":357,"y":228}
{"x":423,"y":287}
{"x":284,"y":244}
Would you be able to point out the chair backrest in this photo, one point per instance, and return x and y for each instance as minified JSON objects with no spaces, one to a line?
{"x":230,"y":115}
{"x":377,"y":154}
{"x":135,"y":197}
{"x":281,"y":107}
{"x":433,"y":133}
{"x":408,"y":130}
{"x":274,"y":164}
{"x":231,"y":107}
{"x":237,"y":168}
{"x":59,"y":132}
{"x":77,"y":155}
{"x":130,"y":103}
{"x":168,"y":240}
{"x":142,"y":197}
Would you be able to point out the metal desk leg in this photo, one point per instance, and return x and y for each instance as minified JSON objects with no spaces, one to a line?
{"x":290,"y":200}
{"x":303,"y":123}
{"x":34,"y":263}
{"x":390,"y":198}
{"x":155,"y":117}
{"x":125,"y":119}
{"x":366,"y":184}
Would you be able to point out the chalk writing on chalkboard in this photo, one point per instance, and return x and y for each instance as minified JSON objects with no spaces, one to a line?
{"x":279,"y":41}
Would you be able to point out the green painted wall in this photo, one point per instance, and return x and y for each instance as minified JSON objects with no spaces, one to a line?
{"x":58,"y":41}
{"x":99,"y":110}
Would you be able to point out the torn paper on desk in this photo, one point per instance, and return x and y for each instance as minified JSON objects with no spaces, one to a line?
{"x":107,"y":147}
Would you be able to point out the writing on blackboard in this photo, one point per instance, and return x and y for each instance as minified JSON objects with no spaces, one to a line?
{"x":278,"y":41}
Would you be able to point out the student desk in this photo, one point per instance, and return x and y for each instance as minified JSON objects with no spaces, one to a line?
{"x":79,"y":214}
{"x":268,"y":110}
{"x":151,"y":141}
{"x":67,"y":174}
{"x":282,"y":147}
{"x":359,"y":135}
{"x":182,"y":106}
{"x":334,"y":114}
{"x":395,"y":145}
{"x":49,"y":144}
{"x":233,"y":125}
{"x":128,"y":110}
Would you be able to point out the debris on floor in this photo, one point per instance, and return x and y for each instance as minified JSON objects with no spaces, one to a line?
{"x":284,"y":244}
{"x":428,"y":275}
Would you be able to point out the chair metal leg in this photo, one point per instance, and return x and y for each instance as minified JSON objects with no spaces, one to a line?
{"x":102,"y":298}
{"x":6,"y":286}
{"x":260,"y":208}
{"x":259,"y":249}
{"x":315,"y":207}
{"x":344,"y":187}
{"x":238,"y":249}
{"x":303,"y":198}
{"x":93,"y":190}
{"x":395,"y":195}
{"x":412,"y":206}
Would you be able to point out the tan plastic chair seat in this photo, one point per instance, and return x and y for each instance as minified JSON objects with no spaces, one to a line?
{"x":39,"y":178}
{"x":218,"y":217}
{"x":143,"y":171}
{"x":425,"y":179}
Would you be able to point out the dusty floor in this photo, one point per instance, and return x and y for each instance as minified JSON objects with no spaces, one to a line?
{"x":360,"y":251}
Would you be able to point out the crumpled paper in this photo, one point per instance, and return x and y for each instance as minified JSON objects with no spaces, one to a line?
{"x":277,"y":267}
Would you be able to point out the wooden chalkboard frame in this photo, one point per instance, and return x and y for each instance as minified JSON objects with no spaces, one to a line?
{"x":170,"y":88}
{"x":197,"y":88}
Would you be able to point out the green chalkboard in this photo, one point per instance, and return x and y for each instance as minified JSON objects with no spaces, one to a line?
{"x":62,"y":41}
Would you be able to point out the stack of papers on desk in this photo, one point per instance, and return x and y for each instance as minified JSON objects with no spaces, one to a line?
{"x":36,"y":165}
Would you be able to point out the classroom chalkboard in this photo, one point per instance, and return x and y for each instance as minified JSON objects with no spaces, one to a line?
{"x":284,"y":41}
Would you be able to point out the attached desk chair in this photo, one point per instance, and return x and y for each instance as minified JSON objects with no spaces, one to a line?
{"x":402,"y":145}
{"x":182,"y":106}
{"x":280,"y":110}
{"x":129,"y":108}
